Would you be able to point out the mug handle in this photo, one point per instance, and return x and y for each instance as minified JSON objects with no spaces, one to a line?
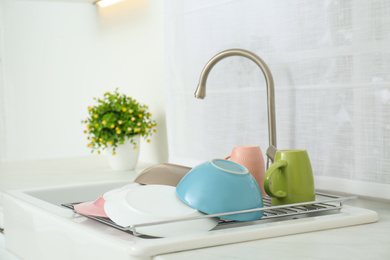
{"x":267,"y":179}
{"x":228,"y":157}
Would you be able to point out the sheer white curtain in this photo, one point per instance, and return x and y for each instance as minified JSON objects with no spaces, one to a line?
{"x":331,"y":65}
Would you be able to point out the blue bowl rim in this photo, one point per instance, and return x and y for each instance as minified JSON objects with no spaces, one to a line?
{"x":225,"y":170}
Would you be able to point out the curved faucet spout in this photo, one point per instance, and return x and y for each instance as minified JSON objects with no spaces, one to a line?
{"x":201,"y":89}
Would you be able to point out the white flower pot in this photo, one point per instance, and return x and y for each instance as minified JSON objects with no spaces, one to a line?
{"x":125,"y":158}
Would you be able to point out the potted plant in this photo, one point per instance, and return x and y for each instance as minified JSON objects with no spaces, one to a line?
{"x":116,"y":123}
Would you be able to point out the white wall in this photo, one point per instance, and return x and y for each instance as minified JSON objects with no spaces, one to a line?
{"x":2,"y":118}
{"x":58,"y":55}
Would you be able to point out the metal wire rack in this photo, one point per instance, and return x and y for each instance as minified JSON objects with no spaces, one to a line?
{"x":324,"y":203}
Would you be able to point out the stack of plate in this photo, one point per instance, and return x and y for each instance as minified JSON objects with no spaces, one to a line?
{"x":139,"y":204}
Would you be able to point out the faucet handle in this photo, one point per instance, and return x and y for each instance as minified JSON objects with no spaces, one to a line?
{"x":271,"y":152}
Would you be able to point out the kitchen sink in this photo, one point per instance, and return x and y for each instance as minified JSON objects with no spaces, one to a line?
{"x":38,"y":226}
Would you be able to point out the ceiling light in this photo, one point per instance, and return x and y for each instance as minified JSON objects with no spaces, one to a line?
{"x":104,"y":3}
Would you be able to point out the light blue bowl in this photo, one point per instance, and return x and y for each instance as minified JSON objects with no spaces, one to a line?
{"x":220,"y":186}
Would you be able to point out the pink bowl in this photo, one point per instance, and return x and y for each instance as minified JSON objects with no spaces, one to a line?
{"x":92,"y":208}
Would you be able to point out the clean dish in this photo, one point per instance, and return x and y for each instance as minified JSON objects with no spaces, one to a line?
{"x":164,"y":174}
{"x":220,"y":186}
{"x":153,"y":203}
{"x":96,"y":208}
{"x":123,"y":188}
{"x":92,"y":208}
{"x":251,"y":157}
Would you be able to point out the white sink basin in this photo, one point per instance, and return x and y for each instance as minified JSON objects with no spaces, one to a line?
{"x":38,"y":227}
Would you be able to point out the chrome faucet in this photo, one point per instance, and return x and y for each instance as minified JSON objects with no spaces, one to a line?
{"x":201,"y":91}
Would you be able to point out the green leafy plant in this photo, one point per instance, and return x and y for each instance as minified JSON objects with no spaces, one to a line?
{"x":115,"y":119}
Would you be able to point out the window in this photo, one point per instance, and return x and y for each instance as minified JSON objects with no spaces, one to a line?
{"x":331,"y":65}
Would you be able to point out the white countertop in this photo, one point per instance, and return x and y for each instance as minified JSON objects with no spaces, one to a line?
{"x":370,"y":241}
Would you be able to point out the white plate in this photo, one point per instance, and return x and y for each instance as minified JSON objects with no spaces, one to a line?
{"x":152,"y":203}
{"x":121,"y":189}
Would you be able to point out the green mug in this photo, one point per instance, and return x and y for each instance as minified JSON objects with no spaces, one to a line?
{"x":290,"y":179}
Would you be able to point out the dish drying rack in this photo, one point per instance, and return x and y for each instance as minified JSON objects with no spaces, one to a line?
{"x":323,"y":203}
